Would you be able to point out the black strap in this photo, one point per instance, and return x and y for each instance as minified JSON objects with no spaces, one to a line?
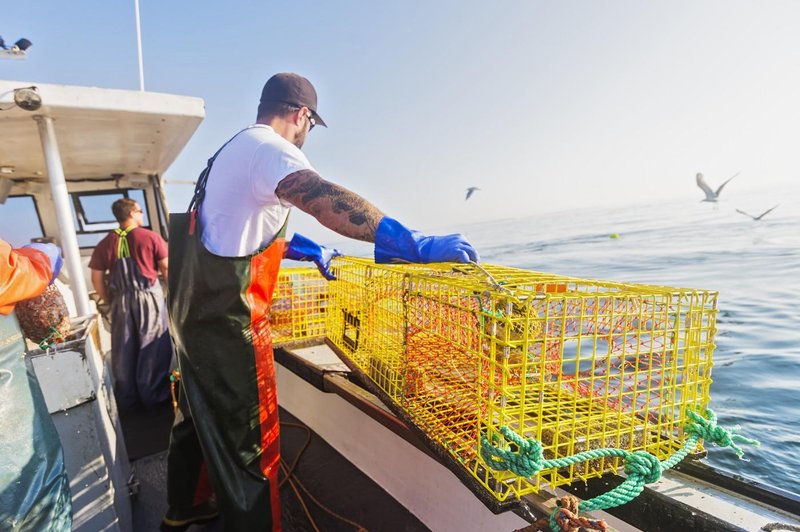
{"x":202,"y":180}
{"x":200,"y":190}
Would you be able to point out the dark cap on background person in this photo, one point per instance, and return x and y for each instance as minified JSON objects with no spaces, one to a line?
{"x":292,"y":89}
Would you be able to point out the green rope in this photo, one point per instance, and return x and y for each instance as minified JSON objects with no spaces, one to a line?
{"x":54,"y":338}
{"x":123,"y":251}
{"x":708,"y":430}
{"x":525,"y":458}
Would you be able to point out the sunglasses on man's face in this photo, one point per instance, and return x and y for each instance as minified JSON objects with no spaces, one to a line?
{"x":311,"y":121}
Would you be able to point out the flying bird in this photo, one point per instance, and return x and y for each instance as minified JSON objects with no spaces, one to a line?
{"x":711,"y":195}
{"x":757,"y":218}
{"x":470,"y":191}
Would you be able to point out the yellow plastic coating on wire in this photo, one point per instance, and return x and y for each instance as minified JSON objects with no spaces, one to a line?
{"x":576,"y":364}
{"x":298,"y":305}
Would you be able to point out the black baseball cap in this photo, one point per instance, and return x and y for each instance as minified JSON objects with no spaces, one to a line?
{"x":293,"y":89}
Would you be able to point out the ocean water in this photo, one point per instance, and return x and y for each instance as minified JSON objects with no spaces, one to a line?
{"x":755,"y":267}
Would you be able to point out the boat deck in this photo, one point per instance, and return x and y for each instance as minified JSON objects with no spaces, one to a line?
{"x":315,"y":385}
{"x":330,"y":478}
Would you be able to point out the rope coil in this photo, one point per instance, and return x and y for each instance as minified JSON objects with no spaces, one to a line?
{"x":525,"y":458}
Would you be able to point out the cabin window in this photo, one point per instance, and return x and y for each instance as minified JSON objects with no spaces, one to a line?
{"x":19,"y":221}
{"x":92,"y":214}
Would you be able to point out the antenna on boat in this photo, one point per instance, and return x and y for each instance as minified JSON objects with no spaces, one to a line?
{"x":139,"y":44}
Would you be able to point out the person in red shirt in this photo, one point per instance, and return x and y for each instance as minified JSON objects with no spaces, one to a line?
{"x":125,"y":267}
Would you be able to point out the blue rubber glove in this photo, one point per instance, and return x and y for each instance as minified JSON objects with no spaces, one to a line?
{"x":395,"y":243}
{"x":53,"y":253}
{"x":302,"y":248}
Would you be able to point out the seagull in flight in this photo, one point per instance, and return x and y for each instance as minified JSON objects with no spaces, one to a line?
{"x":711,"y":195}
{"x":760,"y":216}
{"x":470,"y":191}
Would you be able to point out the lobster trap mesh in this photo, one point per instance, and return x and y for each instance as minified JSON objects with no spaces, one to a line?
{"x":299,"y":304}
{"x":574,"y":363}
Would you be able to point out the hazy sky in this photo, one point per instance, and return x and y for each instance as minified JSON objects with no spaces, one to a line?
{"x":543,"y":105}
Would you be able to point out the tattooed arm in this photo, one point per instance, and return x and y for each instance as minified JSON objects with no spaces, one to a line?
{"x":333,"y":206}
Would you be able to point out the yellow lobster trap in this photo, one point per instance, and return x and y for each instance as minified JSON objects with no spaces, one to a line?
{"x":299,"y":304}
{"x":463,"y":350}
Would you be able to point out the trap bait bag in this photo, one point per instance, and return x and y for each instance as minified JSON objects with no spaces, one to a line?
{"x":44,"y":317}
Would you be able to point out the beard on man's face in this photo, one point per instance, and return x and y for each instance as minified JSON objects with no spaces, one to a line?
{"x":300,"y":138}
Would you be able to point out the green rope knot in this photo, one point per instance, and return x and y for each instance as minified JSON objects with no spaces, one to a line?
{"x":525,"y":461}
{"x":525,"y":458}
{"x":708,"y":430}
{"x":644,"y":465}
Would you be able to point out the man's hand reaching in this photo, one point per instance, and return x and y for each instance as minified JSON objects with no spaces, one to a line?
{"x":395,"y":243}
{"x":305,"y":249}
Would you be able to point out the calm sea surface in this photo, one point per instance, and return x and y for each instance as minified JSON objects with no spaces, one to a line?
{"x":755,"y":266}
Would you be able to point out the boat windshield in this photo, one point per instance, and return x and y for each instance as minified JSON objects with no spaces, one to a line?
{"x":21,"y":222}
{"x":91,"y":212}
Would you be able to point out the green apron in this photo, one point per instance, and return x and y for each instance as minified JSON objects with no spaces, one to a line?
{"x":227,"y":425}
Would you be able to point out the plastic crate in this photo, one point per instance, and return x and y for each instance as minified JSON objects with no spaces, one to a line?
{"x":577,"y":364}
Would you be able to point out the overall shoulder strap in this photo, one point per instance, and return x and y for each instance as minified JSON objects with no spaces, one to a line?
{"x":123,"y":250}
{"x":202,"y":179}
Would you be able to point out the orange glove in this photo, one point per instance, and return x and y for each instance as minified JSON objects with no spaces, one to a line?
{"x":24,"y":273}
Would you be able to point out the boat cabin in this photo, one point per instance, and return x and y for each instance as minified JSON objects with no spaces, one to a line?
{"x":66,"y":154}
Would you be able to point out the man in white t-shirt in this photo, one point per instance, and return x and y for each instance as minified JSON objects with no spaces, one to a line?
{"x":224,"y":258}
{"x":241,"y":212}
